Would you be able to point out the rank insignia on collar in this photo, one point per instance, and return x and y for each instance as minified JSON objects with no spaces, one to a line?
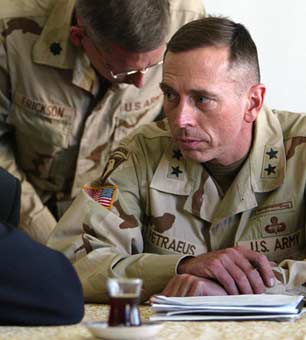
{"x":175,"y":172}
{"x":56,"y":48}
{"x":177,"y":154}
{"x":272,"y":153}
{"x":270,"y":170}
{"x":271,"y":162}
{"x":105,"y":195}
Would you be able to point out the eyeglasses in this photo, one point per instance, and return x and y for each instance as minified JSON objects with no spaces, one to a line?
{"x":121,"y":76}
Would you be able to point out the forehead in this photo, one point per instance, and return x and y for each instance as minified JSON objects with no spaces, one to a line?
{"x":209,"y":64}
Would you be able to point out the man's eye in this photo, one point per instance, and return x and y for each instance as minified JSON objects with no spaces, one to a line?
{"x":170,"y":96}
{"x":203,"y":100}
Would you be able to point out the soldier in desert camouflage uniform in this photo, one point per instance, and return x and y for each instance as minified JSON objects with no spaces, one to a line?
{"x":59,"y":118}
{"x":210,"y":200}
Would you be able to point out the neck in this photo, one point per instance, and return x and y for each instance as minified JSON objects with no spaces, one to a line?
{"x":224,"y":175}
{"x":238,"y":149}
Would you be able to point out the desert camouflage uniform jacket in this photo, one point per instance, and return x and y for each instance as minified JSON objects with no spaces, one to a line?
{"x":54,"y":134}
{"x":151,"y":208}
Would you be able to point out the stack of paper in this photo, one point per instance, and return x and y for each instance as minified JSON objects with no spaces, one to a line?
{"x":230,"y":307}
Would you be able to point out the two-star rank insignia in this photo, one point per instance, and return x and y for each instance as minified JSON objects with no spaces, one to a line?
{"x":176,"y":167}
{"x":56,"y":48}
{"x":271,"y":162}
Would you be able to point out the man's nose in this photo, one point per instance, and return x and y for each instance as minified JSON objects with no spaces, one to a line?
{"x":137,"y":79}
{"x":185,"y":114}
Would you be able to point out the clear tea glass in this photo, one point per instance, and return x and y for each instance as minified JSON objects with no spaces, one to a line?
{"x":124,"y":296}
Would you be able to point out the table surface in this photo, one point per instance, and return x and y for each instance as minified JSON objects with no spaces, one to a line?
{"x":211,"y":330}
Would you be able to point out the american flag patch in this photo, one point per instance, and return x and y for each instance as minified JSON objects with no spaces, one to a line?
{"x":103,"y":195}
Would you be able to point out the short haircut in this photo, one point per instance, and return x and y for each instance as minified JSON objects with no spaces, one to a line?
{"x":219,"y":32}
{"x":136,"y":25}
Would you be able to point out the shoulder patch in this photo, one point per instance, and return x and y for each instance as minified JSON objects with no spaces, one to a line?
{"x":117,"y":157}
{"x":104,"y":195}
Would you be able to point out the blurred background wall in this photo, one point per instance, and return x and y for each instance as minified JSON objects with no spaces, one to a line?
{"x":279,"y":30}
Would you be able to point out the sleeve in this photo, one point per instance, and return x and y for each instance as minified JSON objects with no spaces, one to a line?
{"x":38,"y":285}
{"x":103,"y":234}
{"x":35,"y":218}
{"x":290,"y":278}
{"x":291,"y":274}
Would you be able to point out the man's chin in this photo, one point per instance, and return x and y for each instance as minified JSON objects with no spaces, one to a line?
{"x":196,"y":156}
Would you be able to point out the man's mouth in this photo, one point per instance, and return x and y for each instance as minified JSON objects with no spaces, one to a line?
{"x":188,"y":143}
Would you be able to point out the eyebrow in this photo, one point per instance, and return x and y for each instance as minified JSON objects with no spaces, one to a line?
{"x":194,"y":92}
{"x":164,"y":86}
{"x":203,"y":93}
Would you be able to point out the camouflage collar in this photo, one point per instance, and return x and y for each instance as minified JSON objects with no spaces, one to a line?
{"x":263,"y":171}
{"x":267,"y":156}
{"x":53,"y":47}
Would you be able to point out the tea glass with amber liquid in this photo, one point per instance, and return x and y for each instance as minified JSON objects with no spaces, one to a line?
{"x":124,"y":296}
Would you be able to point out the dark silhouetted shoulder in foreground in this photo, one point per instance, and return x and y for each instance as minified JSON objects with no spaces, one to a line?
{"x":9,"y":198}
{"x":38,"y":286}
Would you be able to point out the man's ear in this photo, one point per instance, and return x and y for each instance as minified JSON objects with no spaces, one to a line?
{"x":77,"y":34}
{"x":255,"y":102}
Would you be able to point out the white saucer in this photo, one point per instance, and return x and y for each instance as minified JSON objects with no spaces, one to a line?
{"x":101,"y":330}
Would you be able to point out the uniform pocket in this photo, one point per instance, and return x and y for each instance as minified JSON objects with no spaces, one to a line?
{"x":48,"y":124}
{"x":276,"y":230}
